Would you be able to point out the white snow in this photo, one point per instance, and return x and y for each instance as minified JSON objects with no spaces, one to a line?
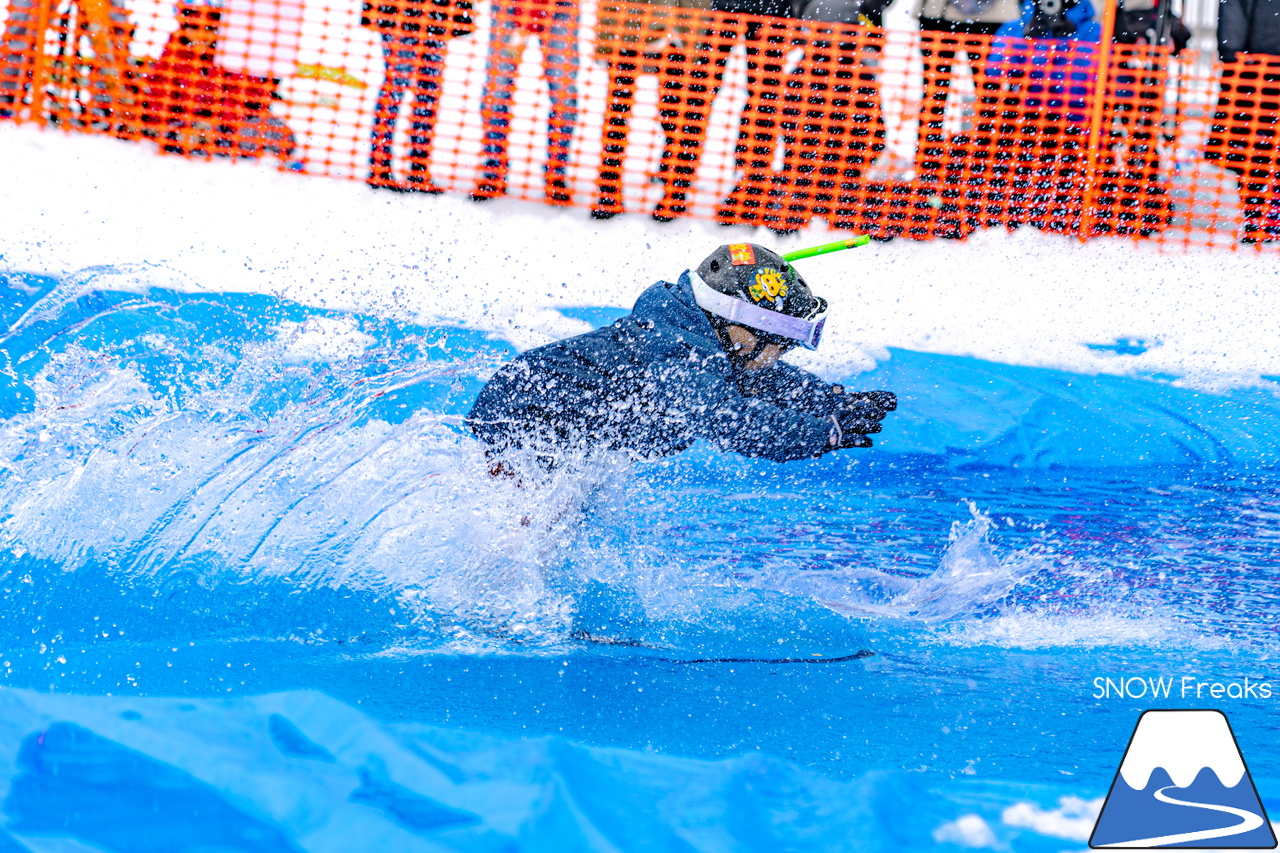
{"x":968,"y":830}
{"x":1208,"y":316}
{"x":1073,"y":819}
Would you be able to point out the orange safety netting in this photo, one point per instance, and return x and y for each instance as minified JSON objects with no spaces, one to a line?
{"x":674,"y":111}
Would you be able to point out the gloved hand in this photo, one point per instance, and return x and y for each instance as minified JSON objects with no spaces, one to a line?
{"x":886,"y":400}
{"x":858,"y":416}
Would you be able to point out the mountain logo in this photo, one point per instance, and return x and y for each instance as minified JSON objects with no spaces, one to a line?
{"x":1183,"y":783}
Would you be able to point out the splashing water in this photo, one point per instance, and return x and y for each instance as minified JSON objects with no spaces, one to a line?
{"x":972,"y":577}
{"x":244,"y":466}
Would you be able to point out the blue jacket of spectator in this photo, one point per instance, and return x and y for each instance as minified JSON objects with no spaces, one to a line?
{"x":651,"y":384}
{"x":1057,"y":73}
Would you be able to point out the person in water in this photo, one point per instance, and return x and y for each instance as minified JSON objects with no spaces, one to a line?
{"x":695,"y":359}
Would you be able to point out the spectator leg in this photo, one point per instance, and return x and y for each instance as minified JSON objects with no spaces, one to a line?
{"x":865,"y":140}
{"x":1261,"y":206}
{"x":17,"y":55}
{"x":399,"y":52}
{"x":759,"y":189}
{"x":942,"y":42}
{"x":106,"y":25}
{"x":560,"y":67}
{"x":689,"y":86}
{"x":506,"y":44}
{"x":429,"y":65}
{"x":617,"y":130}
{"x":938,"y":56}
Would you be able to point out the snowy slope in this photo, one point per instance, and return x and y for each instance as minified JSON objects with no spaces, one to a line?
{"x":1206,"y":319}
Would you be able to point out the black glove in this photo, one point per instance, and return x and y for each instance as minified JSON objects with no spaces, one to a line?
{"x":859,"y":415}
{"x":886,"y":400}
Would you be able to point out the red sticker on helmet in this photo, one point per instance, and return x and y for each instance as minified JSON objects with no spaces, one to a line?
{"x":741,"y":254}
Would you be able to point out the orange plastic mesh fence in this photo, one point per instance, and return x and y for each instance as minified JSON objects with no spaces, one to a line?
{"x":672,"y":111}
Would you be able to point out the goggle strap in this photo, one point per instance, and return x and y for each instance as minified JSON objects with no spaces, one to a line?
{"x":743,"y":313}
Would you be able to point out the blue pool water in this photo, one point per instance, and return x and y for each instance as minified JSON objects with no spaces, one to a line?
{"x":257,"y":595}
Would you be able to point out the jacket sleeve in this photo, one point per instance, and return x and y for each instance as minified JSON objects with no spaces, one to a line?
{"x":707,"y":404}
{"x":792,"y":388}
{"x":1233,"y":29}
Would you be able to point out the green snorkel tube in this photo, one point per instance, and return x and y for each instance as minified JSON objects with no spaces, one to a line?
{"x":827,"y":248}
{"x":811,"y":341}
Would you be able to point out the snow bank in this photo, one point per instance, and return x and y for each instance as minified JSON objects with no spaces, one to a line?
{"x":1207,"y":319}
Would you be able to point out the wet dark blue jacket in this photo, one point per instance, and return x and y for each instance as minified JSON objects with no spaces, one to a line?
{"x":651,"y":384}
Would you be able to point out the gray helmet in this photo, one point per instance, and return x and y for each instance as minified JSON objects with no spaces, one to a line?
{"x":762,"y":277}
{"x":764,"y":292}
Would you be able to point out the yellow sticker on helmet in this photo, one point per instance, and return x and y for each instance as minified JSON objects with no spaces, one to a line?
{"x":769,"y":283}
{"x":741,"y":254}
